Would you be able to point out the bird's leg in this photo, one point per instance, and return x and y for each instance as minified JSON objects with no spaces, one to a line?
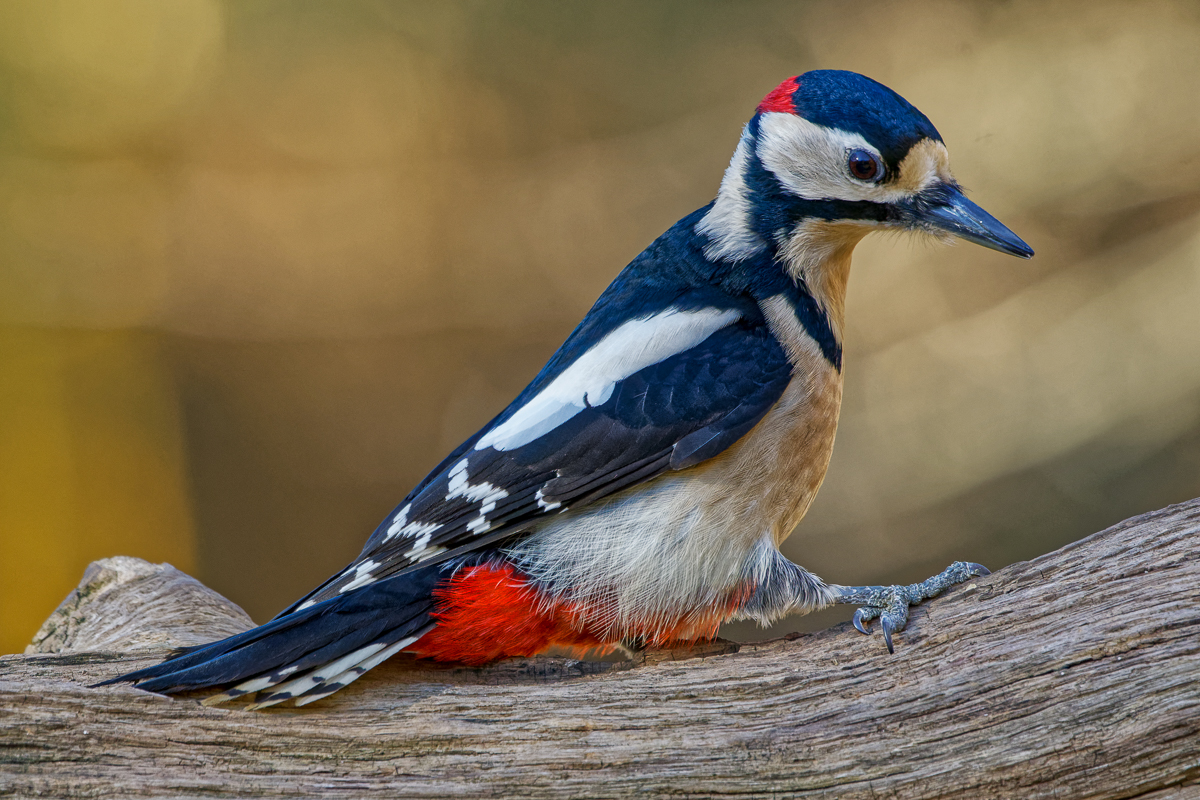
{"x":781,"y":588}
{"x":890,"y":603}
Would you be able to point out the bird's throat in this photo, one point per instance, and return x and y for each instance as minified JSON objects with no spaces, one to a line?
{"x":817,"y":254}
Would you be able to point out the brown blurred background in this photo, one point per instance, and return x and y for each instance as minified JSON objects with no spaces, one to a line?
{"x":263,"y":263}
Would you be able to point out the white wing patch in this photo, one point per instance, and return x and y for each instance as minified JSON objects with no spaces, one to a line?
{"x":362,"y":575}
{"x":542,"y":502}
{"x":590,"y":380}
{"x":421,"y":549}
{"x":486,"y":494}
{"x":402,"y":527}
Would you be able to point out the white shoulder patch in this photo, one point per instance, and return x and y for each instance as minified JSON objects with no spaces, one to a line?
{"x":631,"y":347}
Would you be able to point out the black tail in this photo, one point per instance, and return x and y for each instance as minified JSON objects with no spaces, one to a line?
{"x":317,"y":650}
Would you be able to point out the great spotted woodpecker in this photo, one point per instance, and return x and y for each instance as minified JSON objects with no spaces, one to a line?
{"x":639,"y":488}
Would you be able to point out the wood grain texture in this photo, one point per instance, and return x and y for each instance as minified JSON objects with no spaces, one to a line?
{"x":125,"y":603}
{"x":1076,"y":675}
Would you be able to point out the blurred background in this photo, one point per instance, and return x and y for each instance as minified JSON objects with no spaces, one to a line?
{"x":262,"y":264}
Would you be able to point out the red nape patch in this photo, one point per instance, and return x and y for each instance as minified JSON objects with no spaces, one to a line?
{"x":491,"y":612}
{"x":780,"y":98}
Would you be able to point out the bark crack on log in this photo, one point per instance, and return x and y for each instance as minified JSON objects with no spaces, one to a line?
{"x":1075,"y":675}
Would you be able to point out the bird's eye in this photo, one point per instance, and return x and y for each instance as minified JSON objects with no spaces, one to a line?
{"x":864,"y":166}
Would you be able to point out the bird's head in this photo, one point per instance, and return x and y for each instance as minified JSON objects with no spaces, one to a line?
{"x":828,"y":157}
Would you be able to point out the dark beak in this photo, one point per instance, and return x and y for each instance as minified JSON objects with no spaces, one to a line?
{"x":945,"y":208}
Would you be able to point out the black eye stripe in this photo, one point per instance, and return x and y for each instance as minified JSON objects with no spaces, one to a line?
{"x":864,"y":165}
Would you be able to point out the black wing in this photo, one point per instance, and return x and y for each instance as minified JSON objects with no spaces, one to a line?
{"x":668,"y":416}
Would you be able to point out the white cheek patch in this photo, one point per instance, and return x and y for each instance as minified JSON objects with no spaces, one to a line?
{"x":590,"y":381}
{"x":810,"y":161}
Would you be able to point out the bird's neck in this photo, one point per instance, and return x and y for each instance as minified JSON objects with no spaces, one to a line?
{"x":816,"y":254}
{"x":753,"y":221}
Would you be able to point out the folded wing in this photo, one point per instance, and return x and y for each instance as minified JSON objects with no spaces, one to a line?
{"x":663,"y":392}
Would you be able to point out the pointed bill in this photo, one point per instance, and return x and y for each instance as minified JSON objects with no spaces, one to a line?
{"x":945,"y":208}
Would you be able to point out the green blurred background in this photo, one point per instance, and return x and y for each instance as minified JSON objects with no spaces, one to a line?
{"x":263,"y":263}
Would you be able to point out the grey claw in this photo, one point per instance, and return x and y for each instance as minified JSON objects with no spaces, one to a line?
{"x":890,"y":604}
{"x":886,"y":623}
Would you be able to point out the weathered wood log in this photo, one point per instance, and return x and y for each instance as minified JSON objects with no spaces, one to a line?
{"x":126,"y":603}
{"x":1075,"y":675}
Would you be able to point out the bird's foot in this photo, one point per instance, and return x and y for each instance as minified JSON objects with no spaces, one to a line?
{"x":889,"y":604}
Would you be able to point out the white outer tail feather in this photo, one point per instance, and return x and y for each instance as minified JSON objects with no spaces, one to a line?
{"x":339,"y":682}
{"x":317,"y":683}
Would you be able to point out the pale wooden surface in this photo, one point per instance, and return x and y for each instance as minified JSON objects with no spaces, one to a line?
{"x":1076,"y":675}
{"x":125,"y":603}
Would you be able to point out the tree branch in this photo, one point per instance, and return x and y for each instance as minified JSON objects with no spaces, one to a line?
{"x":1076,"y":675}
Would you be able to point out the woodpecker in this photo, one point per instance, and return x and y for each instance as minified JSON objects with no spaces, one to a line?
{"x":637,"y":491}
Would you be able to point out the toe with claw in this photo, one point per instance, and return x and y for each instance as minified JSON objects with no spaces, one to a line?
{"x":890,"y":604}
